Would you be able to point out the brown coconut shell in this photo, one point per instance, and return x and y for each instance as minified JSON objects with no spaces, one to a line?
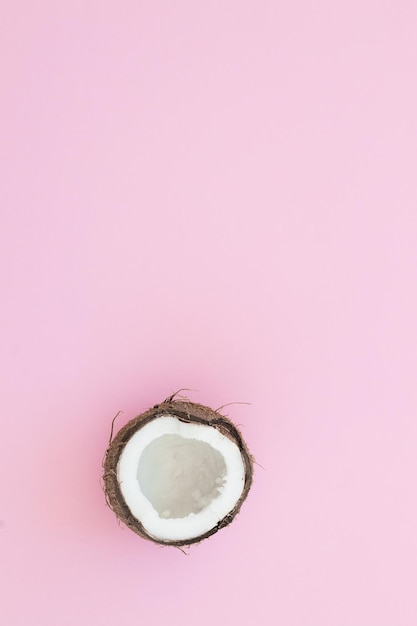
{"x":188,"y":412}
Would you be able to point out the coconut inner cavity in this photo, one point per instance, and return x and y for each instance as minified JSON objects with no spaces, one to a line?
{"x":180,"y":476}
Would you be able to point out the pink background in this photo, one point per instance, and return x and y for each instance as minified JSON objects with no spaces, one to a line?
{"x":221,"y":196}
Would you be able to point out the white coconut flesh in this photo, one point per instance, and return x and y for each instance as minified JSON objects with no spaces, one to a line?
{"x":180,"y":479}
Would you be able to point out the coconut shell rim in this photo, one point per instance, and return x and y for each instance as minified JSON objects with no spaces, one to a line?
{"x":188,"y":412}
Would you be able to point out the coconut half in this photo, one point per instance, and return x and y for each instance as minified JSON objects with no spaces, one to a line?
{"x":177,"y":473}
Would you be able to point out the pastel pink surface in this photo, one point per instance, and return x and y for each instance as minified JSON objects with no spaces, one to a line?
{"x":221,"y":196}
